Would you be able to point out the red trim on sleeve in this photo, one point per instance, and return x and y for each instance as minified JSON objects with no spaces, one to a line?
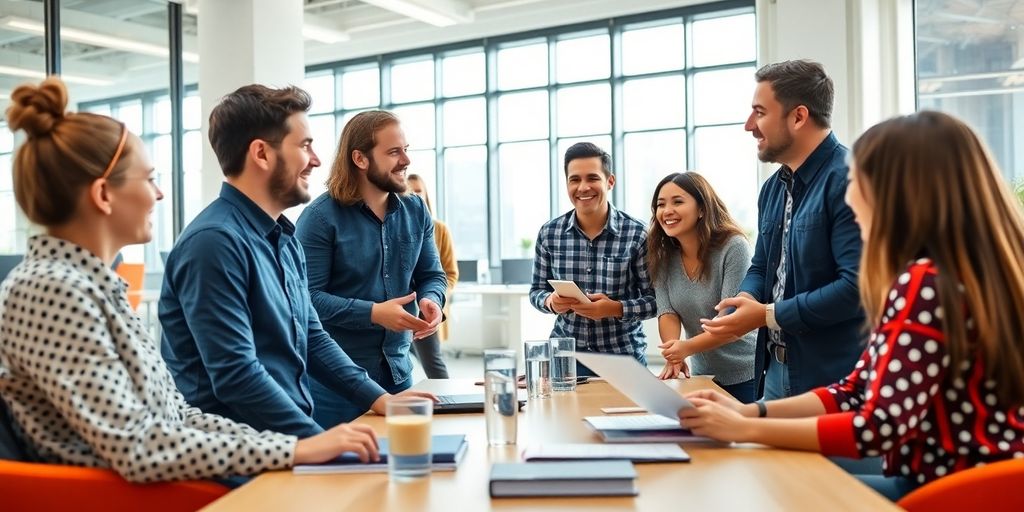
{"x":835,"y":435}
{"x":827,"y":399}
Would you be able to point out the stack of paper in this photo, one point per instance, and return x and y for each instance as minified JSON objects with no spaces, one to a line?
{"x":631,"y":452}
{"x":643,"y":428}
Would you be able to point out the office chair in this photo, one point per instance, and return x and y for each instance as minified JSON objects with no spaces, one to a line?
{"x":993,"y":487}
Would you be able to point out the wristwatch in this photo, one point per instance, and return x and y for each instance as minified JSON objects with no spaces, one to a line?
{"x":769,"y":317}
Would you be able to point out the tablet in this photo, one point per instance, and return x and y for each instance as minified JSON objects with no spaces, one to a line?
{"x":568,"y":289}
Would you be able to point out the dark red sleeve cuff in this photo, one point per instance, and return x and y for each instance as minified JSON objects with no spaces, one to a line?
{"x":827,"y":399}
{"x":835,"y":435}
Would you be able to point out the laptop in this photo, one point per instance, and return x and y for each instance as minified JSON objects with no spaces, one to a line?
{"x":636,"y":382}
{"x":467,"y":403}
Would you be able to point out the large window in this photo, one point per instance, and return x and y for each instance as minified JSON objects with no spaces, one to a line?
{"x":488,"y":121}
{"x":970,"y":63}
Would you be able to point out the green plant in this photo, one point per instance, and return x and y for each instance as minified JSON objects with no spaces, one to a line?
{"x":526,"y":244}
{"x":1019,"y":190}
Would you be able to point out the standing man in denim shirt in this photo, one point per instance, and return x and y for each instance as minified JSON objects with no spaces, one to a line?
{"x":239,"y":331}
{"x":605,"y":252}
{"x":372,"y":260}
{"x":801,"y":288}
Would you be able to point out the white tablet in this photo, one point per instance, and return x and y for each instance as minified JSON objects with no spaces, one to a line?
{"x":568,"y":289}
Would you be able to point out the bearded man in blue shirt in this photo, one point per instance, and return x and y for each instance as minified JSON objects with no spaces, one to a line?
{"x":239,"y":330}
{"x":374,"y":273}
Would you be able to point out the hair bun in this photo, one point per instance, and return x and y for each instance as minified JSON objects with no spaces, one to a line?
{"x":38,"y":109}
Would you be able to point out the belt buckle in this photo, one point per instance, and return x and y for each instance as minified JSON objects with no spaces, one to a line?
{"x":779,"y":353}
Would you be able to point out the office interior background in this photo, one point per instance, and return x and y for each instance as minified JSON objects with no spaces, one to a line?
{"x":491,"y":92}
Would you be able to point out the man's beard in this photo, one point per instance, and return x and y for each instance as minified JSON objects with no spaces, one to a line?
{"x":383,"y":181}
{"x":285,"y":187}
{"x":773,"y":153}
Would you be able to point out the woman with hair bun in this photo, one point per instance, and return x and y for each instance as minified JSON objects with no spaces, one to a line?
{"x":84,"y":382}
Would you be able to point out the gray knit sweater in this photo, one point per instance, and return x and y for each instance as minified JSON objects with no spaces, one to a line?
{"x":733,"y":362}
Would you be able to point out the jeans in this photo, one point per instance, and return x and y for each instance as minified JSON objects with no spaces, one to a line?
{"x":892,"y":487}
{"x":583,"y":371}
{"x":776,"y":381}
{"x":428,"y":351}
{"x":331,"y":409}
{"x":742,"y":391}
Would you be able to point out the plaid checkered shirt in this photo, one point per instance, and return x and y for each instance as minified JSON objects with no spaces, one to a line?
{"x":613,"y":263}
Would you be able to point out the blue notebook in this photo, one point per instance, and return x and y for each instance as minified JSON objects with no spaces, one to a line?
{"x":589,"y":478}
{"x":448,"y":453}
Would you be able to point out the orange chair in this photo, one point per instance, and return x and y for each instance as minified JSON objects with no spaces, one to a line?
{"x":134,"y":273}
{"x":32,"y":486}
{"x":992,"y":487}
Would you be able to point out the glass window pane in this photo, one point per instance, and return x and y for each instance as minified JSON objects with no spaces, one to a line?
{"x":8,"y":225}
{"x":969,"y":64}
{"x":162,"y":214}
{"x":465,"y":122}
{"x":360,"y":88}
{"x":582,"y":58}
{"x":466,"y":191}
{"x":722,"y":96}
{"x":523,"y":66}
{"x":325,"y":145}
{"x":727,"y":158}
{"x":648,"y":158}
{"x":162,"y":115}
{"x":463,"y":74}
{"x":418,"y":124}
{"x":654,"y":103}
{"x":321,"y":90}
{"x":191,"y":112}
{"x":603,"y":141}
{"x":724,"y":40}
{"x":424,"y":163}
{"x":412,"y":81}
{"x":130,"y":113}
{"x":6,"y":171}
{"x":523,"y":116}
{"x":103,"y":110}
{"x":524,"y":173}
{"x":192,"y":159}
{"x":584,"y":110}
{"x":653,"y":49}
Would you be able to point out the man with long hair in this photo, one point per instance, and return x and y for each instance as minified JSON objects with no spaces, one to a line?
{"x":374,"y":272}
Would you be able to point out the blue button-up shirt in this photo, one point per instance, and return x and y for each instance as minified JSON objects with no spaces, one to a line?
{"x":820,"y":314}
{"x":356,"y":260}
{"x":238,"y":325}
{"x":613,"y":263}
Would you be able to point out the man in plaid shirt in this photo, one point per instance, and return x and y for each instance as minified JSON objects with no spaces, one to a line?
{"x":605,"y":252}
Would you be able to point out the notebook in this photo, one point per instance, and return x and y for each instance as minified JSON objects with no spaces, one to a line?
{"x":589,"y":478}
{"x":471,"y":402}
{"x":642,"y":428}
{"x":582,"y":451}
{"x":449,"y":450}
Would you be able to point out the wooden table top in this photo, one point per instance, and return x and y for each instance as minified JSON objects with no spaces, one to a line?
{"x":719,"y":477}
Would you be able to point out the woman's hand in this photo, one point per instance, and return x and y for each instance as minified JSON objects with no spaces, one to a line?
{"x":674,"y":351}
{"x":716,"y":420}
{"x":347,"y":437}
{"x":672,"y":371}
{"x":722,"y":399}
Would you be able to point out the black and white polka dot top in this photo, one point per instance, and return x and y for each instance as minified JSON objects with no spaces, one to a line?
{"x":86,"y":385}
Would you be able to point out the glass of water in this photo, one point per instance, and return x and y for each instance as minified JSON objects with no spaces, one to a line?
{"x":408,"y":424}
{"x":538,"y":368}
{"x":563,"y":364}
{"x":501,"y":403}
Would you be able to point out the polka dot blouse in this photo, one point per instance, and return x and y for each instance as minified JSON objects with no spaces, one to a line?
{"x":900,"y":402}
{"x":86,"y":384}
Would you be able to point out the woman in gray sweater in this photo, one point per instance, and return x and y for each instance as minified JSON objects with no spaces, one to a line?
{"x":697,"y":256}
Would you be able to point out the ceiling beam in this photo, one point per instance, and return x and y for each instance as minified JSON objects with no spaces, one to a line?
{"x":30,"y":67}
{"x":439,"y":13}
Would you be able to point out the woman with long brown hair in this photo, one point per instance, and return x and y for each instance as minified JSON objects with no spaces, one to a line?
{"x":697,"y":256}
{"x":940,"y":385}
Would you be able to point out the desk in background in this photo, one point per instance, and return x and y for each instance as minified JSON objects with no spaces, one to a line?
{"x":494,"y":315}
{"x":718,"y":478}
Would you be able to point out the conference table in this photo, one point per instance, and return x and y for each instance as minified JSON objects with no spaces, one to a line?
{"x":719,"y":477}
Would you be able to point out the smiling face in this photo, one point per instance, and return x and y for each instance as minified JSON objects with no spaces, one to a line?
{"x":677,"y":212}
{"x":768,"y":124}
{"x":588,"y":186}
{"x":388,"y":162}
{"x":134,"y":197}
{"x":295,"y":161}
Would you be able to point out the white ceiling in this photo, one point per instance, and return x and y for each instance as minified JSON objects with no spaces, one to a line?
{"x":368,"y":28}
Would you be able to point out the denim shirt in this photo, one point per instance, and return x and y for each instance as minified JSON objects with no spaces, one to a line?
{"x":356,"y":260}
{"x":820,"y":314}
{"x":238,"y":326}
